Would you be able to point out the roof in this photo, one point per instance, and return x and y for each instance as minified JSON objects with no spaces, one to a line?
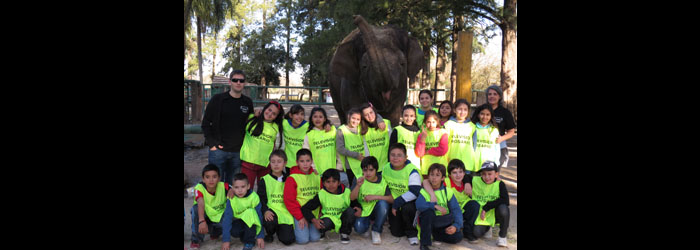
{"x":220,"y":80}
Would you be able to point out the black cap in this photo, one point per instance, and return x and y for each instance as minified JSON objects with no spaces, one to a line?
{"x":489,"y":165}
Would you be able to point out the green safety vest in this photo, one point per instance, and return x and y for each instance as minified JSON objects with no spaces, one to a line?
{"x":483,"y":193}
{"x":354,"y":143}
{"x":408,"y":138}
{"x":257,"y":149}
{"x":486,"y":147}
{"x":442,"y":198}
{"x":333,"y":205}
{"x":275,"y":201}
{"x":214,"y":205}
{"x":461,"y":145}
{"x":378,"y":143}
{"x":322,"y":147}
{"x":462,"y":198}
{"x":244,"y":209}
{"x":369,"y":188}
{"x":432,"y":140}
{"x":307,"y":187}
{"x":397,"y":180}
{"x":293,"y":141}
{"x":419,"y":117}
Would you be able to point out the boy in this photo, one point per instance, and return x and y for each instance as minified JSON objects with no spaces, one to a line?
{"x":443,"y":218}
{"x":374,"y":196}
{"x":209,"y":204}
{"x":300,"y":187}
{"x":242,"y":217}
{"x":404,"y":182}
{"x":337,"y":212}
{"x":276,"y":217}
{"x":492,"y":196}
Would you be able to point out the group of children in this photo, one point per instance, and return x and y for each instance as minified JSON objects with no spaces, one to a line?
{"x":312,"y":178}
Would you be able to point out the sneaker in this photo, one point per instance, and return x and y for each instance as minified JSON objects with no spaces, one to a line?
{"x":268,"y":238}
{"x":424,"y":247}
{"x":323,"y":236}
{"x":376,"y":238}
{"x":194,"y":245}
{"x":502,"y":242}
{"x":473,"y":241}
{"x":366,"y":234}
{"x":344,"y":239}
{"x":248,"y":246}
{"x":437,"y":243}
{"x":488,"y":234}
{"x":413,"y":241}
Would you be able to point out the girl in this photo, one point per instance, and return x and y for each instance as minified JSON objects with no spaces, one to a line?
{"x":276,"y":218}
{"x":406,"y":133}
{"x":446,"y":112}
{"x":425,"y":97}
{"x":374,"y":196}
{"x":487,"y":144}
{"x":350,"y":146}
{"x":263,"y":134}
{"x":461,"y":131}
{"x":432,"y":143}
{"x":320,"y":140}
{"x":376,"y":136}
{"x":295,"y":128}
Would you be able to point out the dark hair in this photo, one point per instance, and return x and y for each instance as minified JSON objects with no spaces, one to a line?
{"x":258,"y":122}
{"x":210,"y":167}
{"x":455,"y":164}
{"x":240,"y":177}
{"x":366,"y":124}
{"x":369,"y":161}
{"x":304,"y":151}
{"x":330,"y":173}
{"x":437,"y":166}
{"x":325,"y":116}
{"x":295,"y":109}
{"x":407,"y":107}
{"x":433,"y":114}
{"x":353,"y":111}
{"x":452,"y":110}
{"x":279,"y":153}
{"x":236,"y":72}
{"x":461,"y":101}
{"x":475,"y":116}
{"x":427,"y":91}
{"x":399,"y":146}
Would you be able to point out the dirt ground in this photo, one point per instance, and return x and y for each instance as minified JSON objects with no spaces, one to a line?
{"x":195,"y":157}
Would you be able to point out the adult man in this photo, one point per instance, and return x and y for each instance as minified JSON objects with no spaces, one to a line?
{"x":224,"y":126}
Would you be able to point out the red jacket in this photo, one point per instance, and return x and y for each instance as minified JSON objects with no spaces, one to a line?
{"x":440,"y":150}
{"x":290,"y":193}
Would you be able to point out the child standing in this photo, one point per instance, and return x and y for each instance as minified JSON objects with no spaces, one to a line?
{"x":487,"y":138}
{"x":242,"y":217}
{"x":350,"y":146}
{"x":461,"y":131}
{"x":270,"y":189}
{"x":300,"y":187}
{"x":407,"y":133}
{"x":492,"y":196}
{"x":295,"y":128}
{"x":263,"y":134}
{"x":432,"y":143}
{"x":338,"y":214}
{"x":209,"y":204}
{"x":374,"y":196}
{"x":425,"y":98}
{"x":376,"y":132}
{"x":404,"y":182}
{"x":441,"y":219}
{"x":320,"y":140}
{"x":446,"y":111}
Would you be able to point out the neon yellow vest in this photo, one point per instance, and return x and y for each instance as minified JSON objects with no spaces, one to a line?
{"x":408,"y":138}
{"x":354,"y":143}
{"x":322,"y":147}
{"x":293,"y":141}
{"x":307,"y":187}
{"x":432,"y":140}
{"x":462,"y":198}
{"x":398,"y":180}
{"x":275,"y":201}
{"x":369,"y":188}
{"x":483,"y":193}
{"x":333,"y":205}
{"x":244,"y":209}
{"x":461,"y":144}
{"x":443,"y":197}
{"x":378,"y":143}
{"x":419,"y":117}
{"x":486,"y":147}
{"x":214,"y":205}
{"x":257,"y":149}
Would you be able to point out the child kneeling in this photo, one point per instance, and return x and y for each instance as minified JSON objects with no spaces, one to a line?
{"x":337,"y":213}
{"x":441,"y":219}
{"x":374,"y":196}
{"x":242,"y":217}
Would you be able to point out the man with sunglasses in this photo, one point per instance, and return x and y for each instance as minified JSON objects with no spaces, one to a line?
{"x":224,"y":126}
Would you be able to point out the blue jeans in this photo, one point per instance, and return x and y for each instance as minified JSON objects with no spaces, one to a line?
{"x":215,"y":229}
{"x":381,"y":209}
{"x":229,"y":163}
{"x":309,"y":233}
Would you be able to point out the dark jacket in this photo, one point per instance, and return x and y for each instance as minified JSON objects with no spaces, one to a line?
{"x":211,"y":123}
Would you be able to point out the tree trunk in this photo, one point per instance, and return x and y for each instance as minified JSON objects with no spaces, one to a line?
{"x":425,"y":78}
{"x":286,"y":59}
{"x":197,"y":87}
{"x":509,"y":58}
{"x":457,"y":26}
{"x":188,"y":11}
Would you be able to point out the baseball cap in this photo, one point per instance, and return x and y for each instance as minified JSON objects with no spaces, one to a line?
{"x":488,"y":165}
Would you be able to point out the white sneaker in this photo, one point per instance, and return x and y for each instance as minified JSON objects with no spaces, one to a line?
{"x":502,"y":242}
{"x":344,"y":238}
{"x":413,"y":241}
{"x":488,"y":234}
{"x":376,"y":238}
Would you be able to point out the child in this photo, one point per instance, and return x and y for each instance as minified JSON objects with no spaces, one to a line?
{"x":276,"y":217}
{"x":487,"y":144}
{"x":404,"y":181}
{"x":242,"y":217}
{"x":441,"y":219}
{"x":432,"y":143}
{"x":320,"y":140}
{"x":376,"y":132}
{"x":263,"y":134}
{"x":492,"y":196}
{"x":350,"y":146}
{"x":446,"y":111}
{"x":338,"y":214}
{"x":300,"y":187}
{"x":374,"y":196}
{"x":209,"y":204}
{"x":295,"y":128}
{"x":407,"y":133}
{"x":461,"y":131}
{"x":425,"y":98}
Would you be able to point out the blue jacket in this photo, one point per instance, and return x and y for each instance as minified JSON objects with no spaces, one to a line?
{"x":227,"y":220}
{"x":452,"y":204}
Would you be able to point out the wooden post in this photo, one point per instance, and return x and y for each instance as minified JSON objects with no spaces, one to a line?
{"x":464,"y":65}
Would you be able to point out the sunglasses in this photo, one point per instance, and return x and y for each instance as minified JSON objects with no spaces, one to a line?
{"x":237,"y":80}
